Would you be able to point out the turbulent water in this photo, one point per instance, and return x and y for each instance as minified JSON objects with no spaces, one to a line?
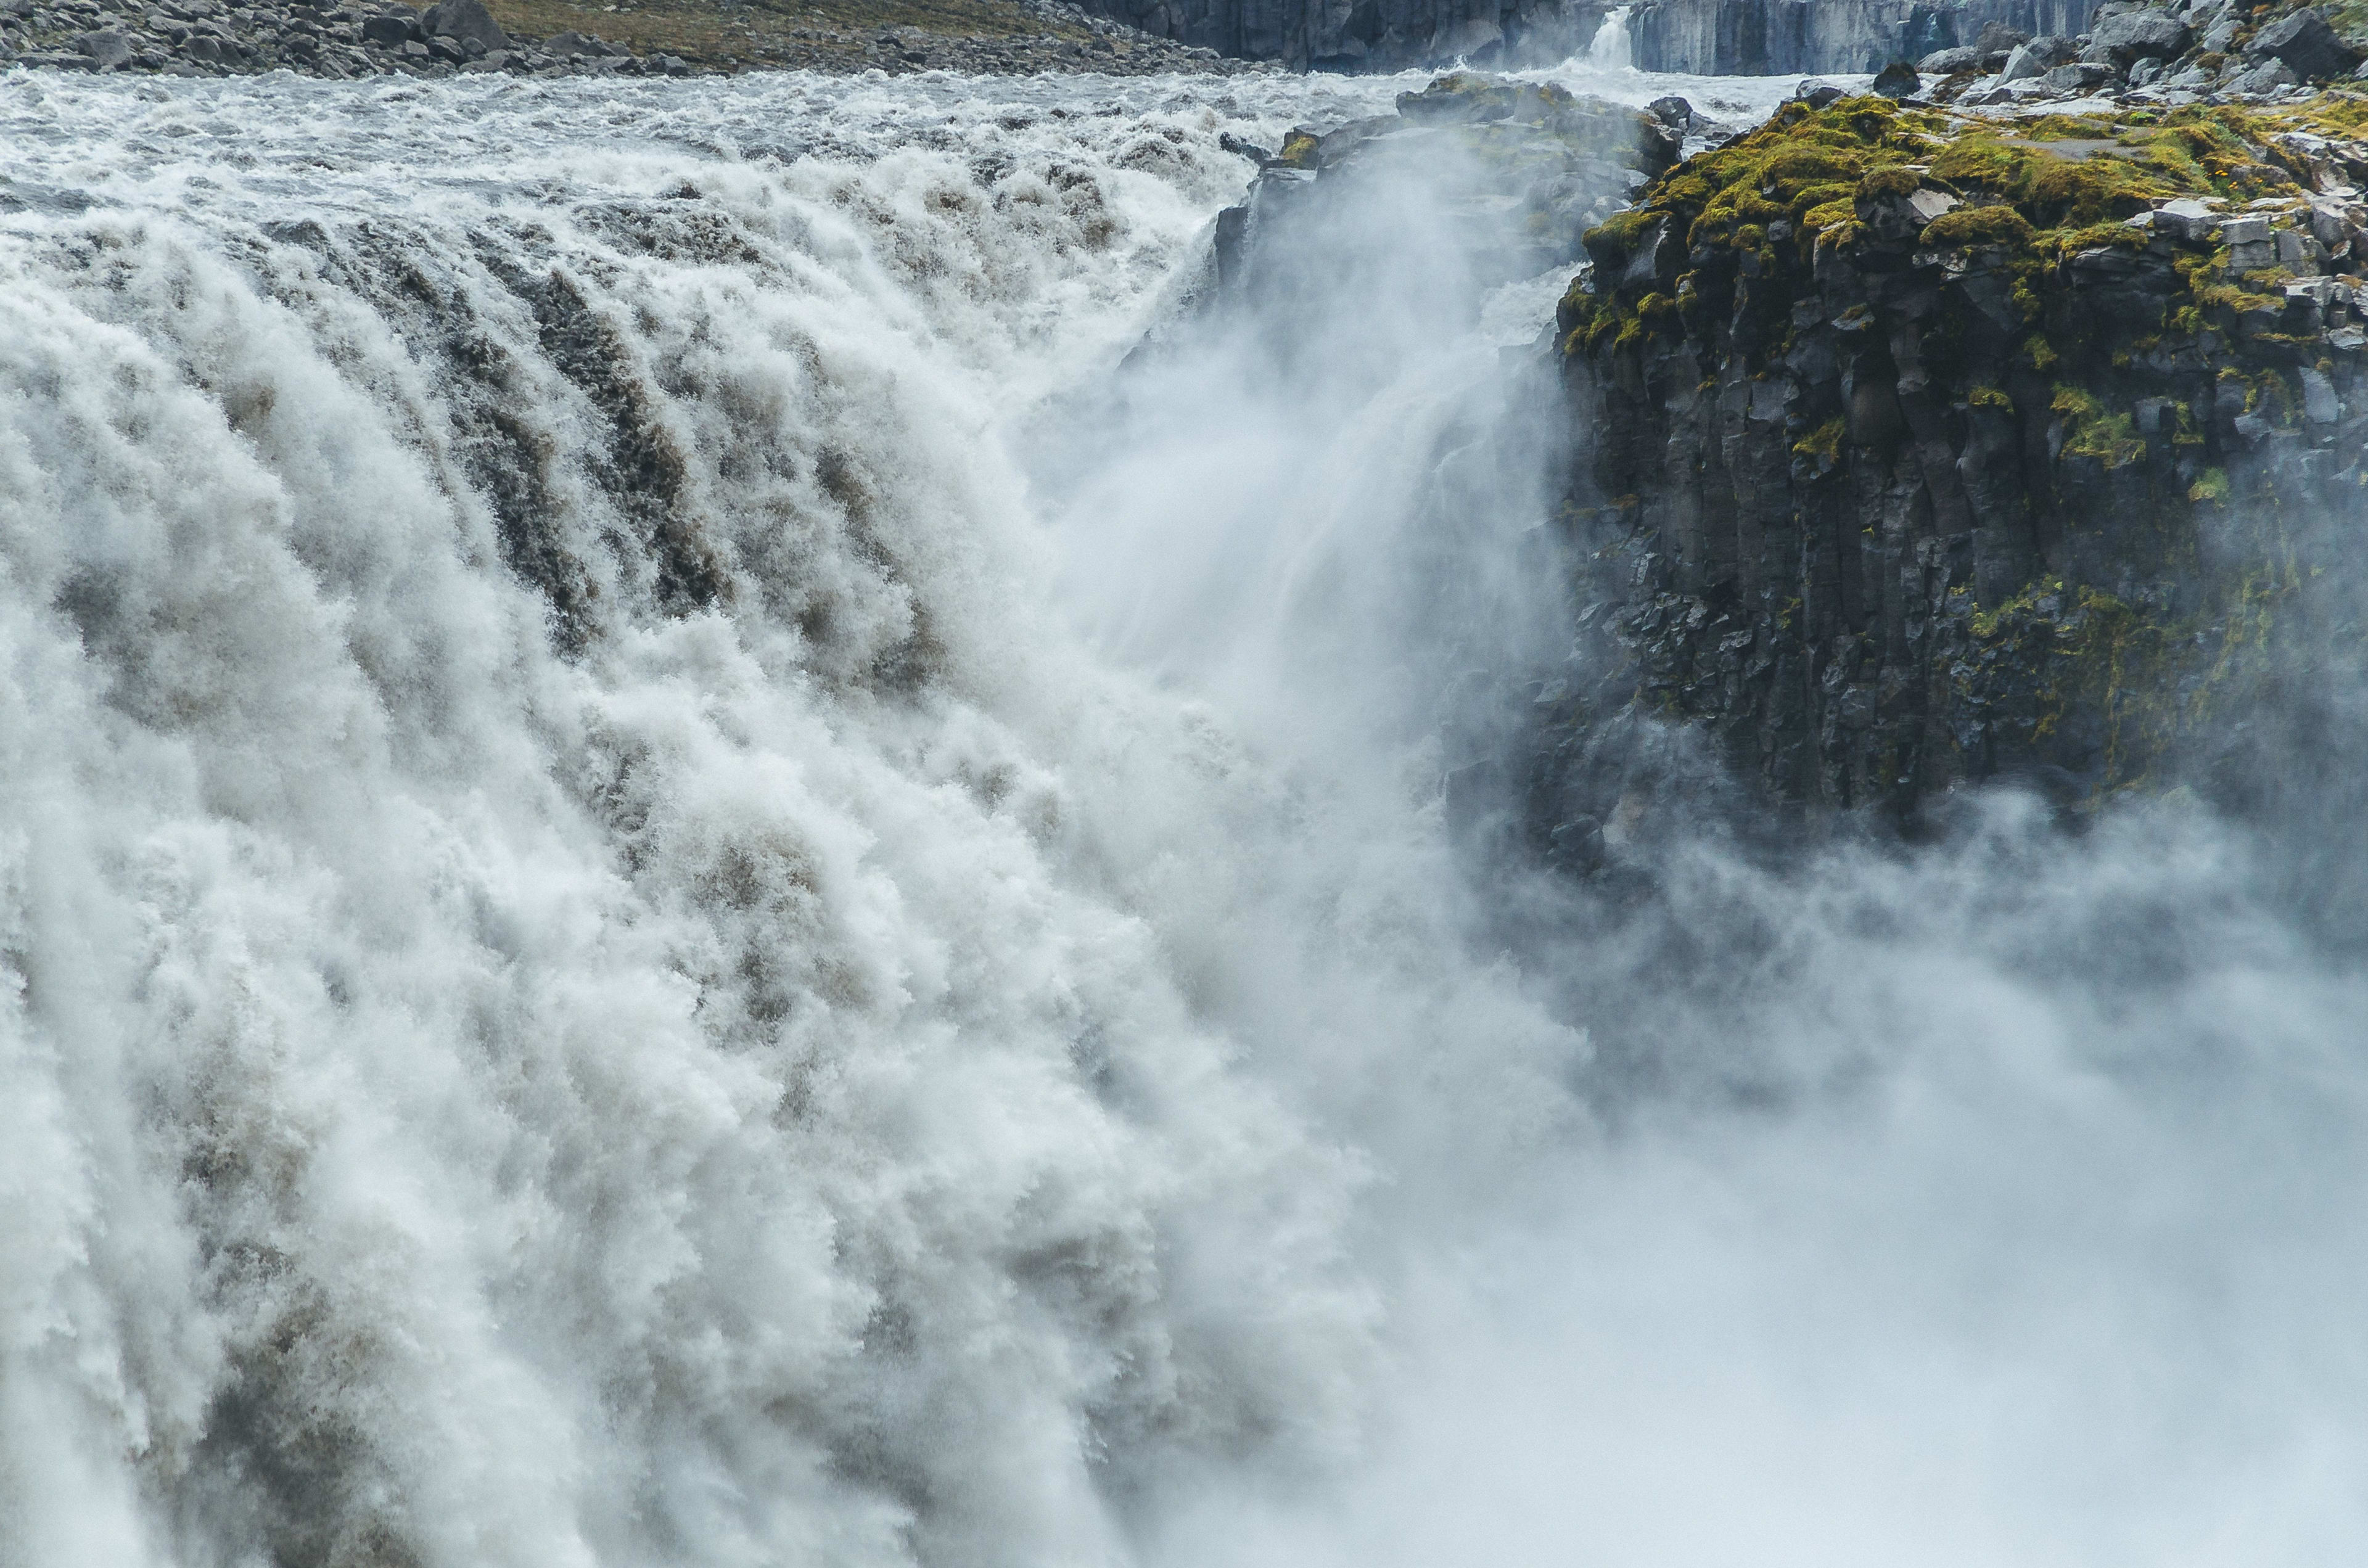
{"x":682,"y":883}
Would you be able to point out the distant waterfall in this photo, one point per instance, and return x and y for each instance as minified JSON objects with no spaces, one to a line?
{"x":1609,"y":49}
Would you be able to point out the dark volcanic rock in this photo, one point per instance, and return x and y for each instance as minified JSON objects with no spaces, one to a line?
{"x":2305,"y":45}
{"x":1948,"y":61}
{"x":1887,"y":483}
{"x":465,"y":20}
{"x":1780,"y":36}
{"x":1897,"y":81}
{"x":2133,"y":36}
{"x":1371,"y":34}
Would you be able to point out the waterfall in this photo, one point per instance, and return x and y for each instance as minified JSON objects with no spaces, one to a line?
{"x":689,"y":874}
{"x":1608,"y":50}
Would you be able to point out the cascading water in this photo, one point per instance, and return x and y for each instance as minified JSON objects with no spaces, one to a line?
{"x":679,"y":883}
{"x":1608,"y":50}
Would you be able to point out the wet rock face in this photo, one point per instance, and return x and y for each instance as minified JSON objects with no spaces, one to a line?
{"x":1371,"y":35}
{"x":1920,"y":452}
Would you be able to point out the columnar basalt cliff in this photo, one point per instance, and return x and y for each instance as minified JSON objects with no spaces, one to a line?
{"x":1919,"y":448}
{"x":1779,"y":37}
{"x":1371,"y":35}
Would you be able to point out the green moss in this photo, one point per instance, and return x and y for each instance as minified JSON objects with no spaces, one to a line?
{"x":1799,"y":161}
{"x":1978,"y":226}
{"x":2212,"y":489}
{"x":1298,"y":151}
{"x":1829,"y":216}
{"x":1622,"y":228}
{"x":1891,"y":180}
{"x":1990,"y":397}
{"x":2084,"y":651}
{"x":1824,"y":442}
{"x":2091,"y":432}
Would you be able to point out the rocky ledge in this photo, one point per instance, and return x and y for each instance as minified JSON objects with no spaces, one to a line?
{"x":347,"y":39}
{"x":1918,"y":446}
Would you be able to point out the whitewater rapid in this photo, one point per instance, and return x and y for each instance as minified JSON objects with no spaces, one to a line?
{"x":680,"y":883}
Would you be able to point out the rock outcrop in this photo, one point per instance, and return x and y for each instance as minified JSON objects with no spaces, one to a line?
{"x":1919,"y":448}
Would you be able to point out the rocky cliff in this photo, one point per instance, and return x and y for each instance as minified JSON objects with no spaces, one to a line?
{"x":1782,"y":37}
{"x":1699,"y":37}
{"x":1921,"y":448}
{"x":1371,"y":35}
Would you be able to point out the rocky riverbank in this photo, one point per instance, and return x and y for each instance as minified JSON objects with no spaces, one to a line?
{"x":347,"y":39}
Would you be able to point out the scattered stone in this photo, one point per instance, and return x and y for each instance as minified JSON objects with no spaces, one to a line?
{"x":1948,"y":61}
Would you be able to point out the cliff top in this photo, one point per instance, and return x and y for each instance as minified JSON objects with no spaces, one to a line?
{"x":2030,"y":193}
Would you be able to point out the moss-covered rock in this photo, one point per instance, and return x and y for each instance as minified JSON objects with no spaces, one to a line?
{"x":1946,"y":444}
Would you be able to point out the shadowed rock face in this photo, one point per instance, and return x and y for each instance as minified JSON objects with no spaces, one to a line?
{"x":1917,"y":450}
{"x":1371,"y":34}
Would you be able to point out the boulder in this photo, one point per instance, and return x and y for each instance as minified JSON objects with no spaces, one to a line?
{"x":2037,"y":57}
{"x":2305,"y":45}
{"x":465,"y":21}
{"x":2137,"y":35}
{"x":1948,"y":61}
{"x":1816,"y":94}
{"x":1898,"y":80}
{"x":2079,"y":77}
{"x":2260,"y":76}
{"x":392,"y":30}
{"x":105,"y":51}
{"x":1996,"y":37}
{"x":2187,"y":218}
{"x":1671,"y":110}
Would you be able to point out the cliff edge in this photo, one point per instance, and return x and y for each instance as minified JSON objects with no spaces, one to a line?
{"x":1920,"y":447}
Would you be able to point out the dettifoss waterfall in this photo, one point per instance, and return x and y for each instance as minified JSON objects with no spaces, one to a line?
{"x":724,"y":840}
